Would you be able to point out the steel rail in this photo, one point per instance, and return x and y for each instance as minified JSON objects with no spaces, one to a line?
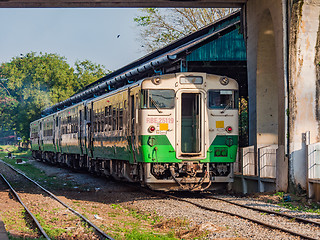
{"x":230,"y":213}
{"x":26,"y":208}
{"x":64,"y":204}
{"x":300,"y":219}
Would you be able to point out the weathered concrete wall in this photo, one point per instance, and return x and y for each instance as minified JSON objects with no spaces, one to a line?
{"x":303,"y":86}
{"x":266,"y":56}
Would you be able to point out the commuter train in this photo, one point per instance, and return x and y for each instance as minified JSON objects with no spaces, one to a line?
{"x":168,"y":132}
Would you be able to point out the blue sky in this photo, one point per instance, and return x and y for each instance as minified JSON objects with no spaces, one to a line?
{"x":76,"y":34}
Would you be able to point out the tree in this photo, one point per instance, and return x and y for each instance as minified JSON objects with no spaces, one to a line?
{"x":159,"y":27}
{"x":37,"y":81}
{"x":88,"y":72}
{"x":7,"y":104}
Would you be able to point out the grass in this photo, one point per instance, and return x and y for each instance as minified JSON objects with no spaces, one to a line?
{"x":18,"y":220}
{"x":144,"y":226}
{"x":51,"y":230}
{"x":297,"y":203}
{"x":313,"y":208}
{"x":31,"y":171}
{"x":138,"y":235}
{"x":24,"y":238}
{"x":136,"y":225}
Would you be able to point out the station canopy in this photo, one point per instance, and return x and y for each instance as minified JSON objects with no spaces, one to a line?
{"x":218,"y":48}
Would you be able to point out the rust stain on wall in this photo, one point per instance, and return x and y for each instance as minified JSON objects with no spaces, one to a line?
{"x":295,"y":25}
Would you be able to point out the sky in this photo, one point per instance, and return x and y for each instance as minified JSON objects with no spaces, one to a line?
{"x":76,"y":34}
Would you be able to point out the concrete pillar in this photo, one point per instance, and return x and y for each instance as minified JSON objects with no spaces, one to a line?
{"x":304,"y":87}
{"x":266,"y":52}
{"x":266,"y":83}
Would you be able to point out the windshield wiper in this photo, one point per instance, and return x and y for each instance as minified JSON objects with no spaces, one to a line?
{"x":227,"y":107}
{"x":156,"y":105}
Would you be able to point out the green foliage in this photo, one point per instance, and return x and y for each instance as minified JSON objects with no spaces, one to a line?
{"x":30,"y":170}
{"x":313,"y":208}
{"x":33,"y":82}
{"x":243,"y":122}
{"x":159,"y":27}
{"x":135,"y":234}
{"x":88,"y":72}
{"x":7,"y":104}
{"x":279,"y":194}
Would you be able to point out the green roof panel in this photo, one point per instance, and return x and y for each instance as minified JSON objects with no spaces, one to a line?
{"x":229,"y":47}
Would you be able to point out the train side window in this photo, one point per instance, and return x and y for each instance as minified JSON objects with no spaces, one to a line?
{"x":110,"y":119}
{"x":114,"y":118}
{"x":106,"y":119}
{"x":102,"y":119}
{"x":106,"y":111}
{"x":120,"y":117}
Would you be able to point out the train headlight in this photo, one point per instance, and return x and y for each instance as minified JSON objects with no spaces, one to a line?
{"x":156,"y":80}
{"x":224,"y":81}
{"x":151,"y":129}
{"x":229,"y":129}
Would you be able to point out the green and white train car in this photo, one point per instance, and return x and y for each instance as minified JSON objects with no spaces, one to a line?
{"x":170,"y":132}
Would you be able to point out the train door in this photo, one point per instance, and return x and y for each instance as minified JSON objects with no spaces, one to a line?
{"x":191,"y":124}
{"x":41,"y":136}
{"x":81,"y":132}
{"x":132,"y":127}
{"x":54,"y":133}
{"x":133,"y":112}
{"x":89,"y":122}
{"x":58,"y":132}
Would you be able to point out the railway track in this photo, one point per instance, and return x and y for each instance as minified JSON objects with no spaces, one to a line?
{"x":293,"y":225}
{"x":46,"y":201}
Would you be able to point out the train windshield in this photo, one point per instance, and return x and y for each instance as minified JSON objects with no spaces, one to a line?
{"x":157,"y":98}
{"x":221,"y":99}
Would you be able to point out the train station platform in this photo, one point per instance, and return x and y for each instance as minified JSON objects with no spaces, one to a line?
{"x":3,"y":232}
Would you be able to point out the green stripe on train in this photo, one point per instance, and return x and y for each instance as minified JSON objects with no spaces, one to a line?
{"x":157,"y":148}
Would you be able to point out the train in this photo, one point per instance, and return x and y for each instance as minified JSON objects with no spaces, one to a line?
{"x":171,"y":132}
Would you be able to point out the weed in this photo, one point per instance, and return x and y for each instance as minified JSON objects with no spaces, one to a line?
{"x":51,"y":230}
{"x":113,"y":214}
{"x":54,"y":219}
{"x":137,"y":235}
{"x":73,"y":218}
{"x":279,"y":194}
{"x":313,"y":208}
{"x":23,"y":238}
{"x":116,"y":206}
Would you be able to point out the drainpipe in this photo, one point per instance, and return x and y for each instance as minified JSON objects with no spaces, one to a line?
{"x":285,"y":21}
{"x":285,"y":12}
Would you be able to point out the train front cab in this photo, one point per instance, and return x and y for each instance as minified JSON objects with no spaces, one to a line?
{"x":189,"y":132}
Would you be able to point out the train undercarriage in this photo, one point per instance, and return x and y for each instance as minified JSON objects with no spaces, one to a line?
{"x":183,"y":176}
